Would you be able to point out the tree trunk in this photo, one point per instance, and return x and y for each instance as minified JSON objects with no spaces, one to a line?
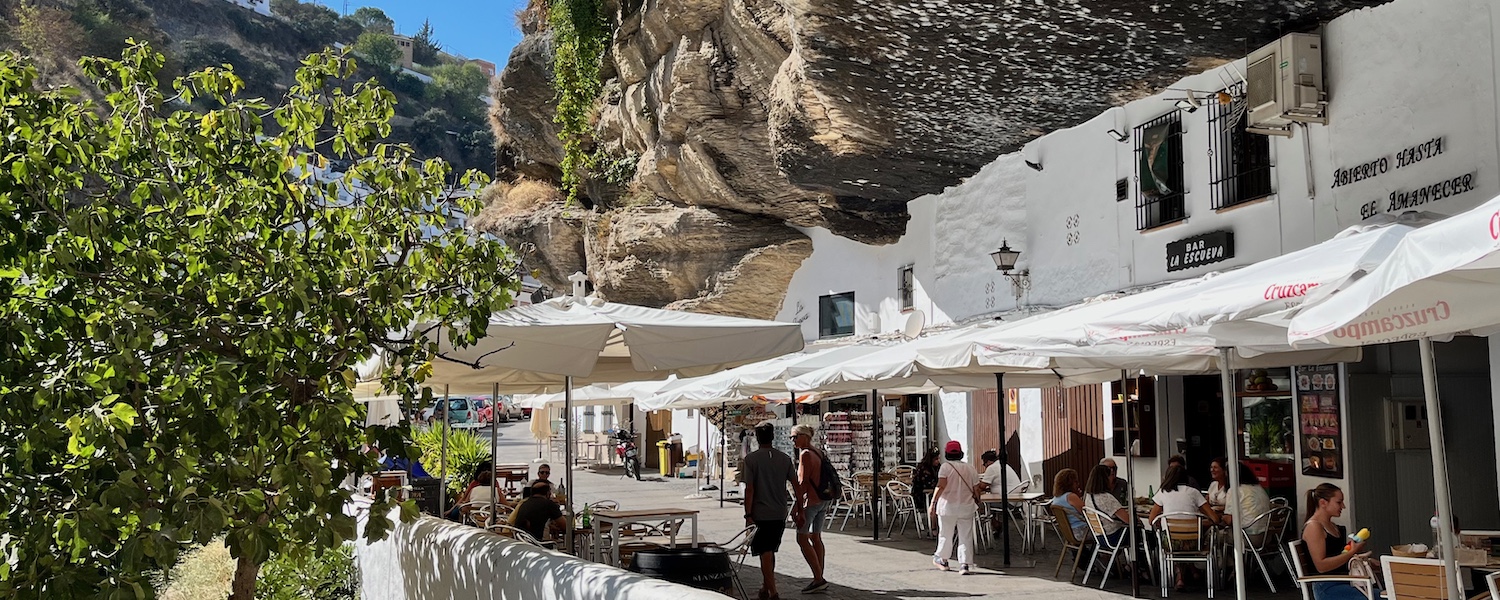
{"x":245,"y":573}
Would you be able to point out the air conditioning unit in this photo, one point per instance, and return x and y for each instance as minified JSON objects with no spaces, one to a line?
{"x":1284,"y":84}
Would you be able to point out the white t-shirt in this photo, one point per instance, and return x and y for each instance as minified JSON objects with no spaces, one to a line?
{"x":958,"y":494}
{"x":991,"y":476}
{"x":1182,"y":500}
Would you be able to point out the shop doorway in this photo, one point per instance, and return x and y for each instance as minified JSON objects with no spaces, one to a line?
{"x":1203,"y":426}
{"x":658,"y":429}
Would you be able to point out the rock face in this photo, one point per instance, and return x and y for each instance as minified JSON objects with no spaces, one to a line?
{"x":835,"y":113}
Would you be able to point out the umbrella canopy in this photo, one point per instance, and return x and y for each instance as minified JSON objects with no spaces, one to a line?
{"x":532,"y":349}
{"x":766,"y":378}
{"x":541,"y":424}
{"x":382,"y":410}
{"x":599,"y":394}
{"x":1438,"y":281}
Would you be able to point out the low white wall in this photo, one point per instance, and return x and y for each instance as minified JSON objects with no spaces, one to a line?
{"x":433,"y":558}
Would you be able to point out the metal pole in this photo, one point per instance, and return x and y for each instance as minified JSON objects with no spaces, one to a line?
{"x":568,"y":456}
{"x":1135,"y":554}
{"x":443,"y":477}
{"x":1439,"y":468}
{"x":1000,"y":402}
{"x":723,"y":448}
{"x":1231,"y":431}
{"x":494,"y":448}
{"x":876,"y":465}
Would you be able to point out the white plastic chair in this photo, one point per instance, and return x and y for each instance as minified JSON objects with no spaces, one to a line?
{"x":1095,"y":519}
{"x":905,"y":508}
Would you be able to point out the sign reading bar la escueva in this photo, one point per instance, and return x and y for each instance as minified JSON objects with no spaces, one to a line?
{"x":1200,"y":250}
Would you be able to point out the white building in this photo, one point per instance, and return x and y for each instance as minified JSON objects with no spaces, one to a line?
{"x":1411,"y":126}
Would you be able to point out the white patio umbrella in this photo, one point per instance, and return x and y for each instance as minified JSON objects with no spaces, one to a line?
{"x":1198,"y":325}
{"x":766,"y":378}
{"x":1438,"y":282}
{"x":547,"y":346}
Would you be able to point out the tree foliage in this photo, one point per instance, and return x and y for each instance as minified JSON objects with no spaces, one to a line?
{"x":424,"y":46}
{"x":374,"y":19}
{"x":48,"y":33}
{"x":580,"y":31}
{"x":378,"y":49}
{"x":318,"y":25}
{"x":460,"y":86}
{"x":185,"y":295}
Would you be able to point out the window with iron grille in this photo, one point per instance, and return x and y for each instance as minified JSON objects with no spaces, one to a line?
{"x":906,"y":286}
{"x":1160,"y":198}
{"x":836,"y":315}
{"x":1239,"y":161}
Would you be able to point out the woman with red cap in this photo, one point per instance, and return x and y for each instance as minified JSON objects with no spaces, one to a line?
{"x":954,"y":505}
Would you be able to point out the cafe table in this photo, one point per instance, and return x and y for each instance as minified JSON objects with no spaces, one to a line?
{"x":616,"y":520}
{"x":1024,"y":498}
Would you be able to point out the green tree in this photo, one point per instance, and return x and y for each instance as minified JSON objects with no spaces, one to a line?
{"x":185,"y":295}
{"x":317,"y":24}
{"x":374,"y":20}
{"x":425,"y":47}
{"x":378,"y":49}
{"x":460,"y":86}
{"x":48,"y":33}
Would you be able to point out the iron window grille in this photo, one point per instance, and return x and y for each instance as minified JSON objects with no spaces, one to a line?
{"x":906,"y":286}
{"x":836,"y":315}
{"x":1160,"y":197}
{"x":1239,"y":161}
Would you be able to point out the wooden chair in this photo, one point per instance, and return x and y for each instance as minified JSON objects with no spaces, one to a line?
{"x":1493,"y":579}
{"x":390,"y":480}
{"x":517,"y":535}
{"x":904,"y":474}
{"x":1302,"y":563}
{"x":1070,"y":542}
{"x":1185,"y":538}
{"x":1414,"y":578}
{"x":1095,"y":519}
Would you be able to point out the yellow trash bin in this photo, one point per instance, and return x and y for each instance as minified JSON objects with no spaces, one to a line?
{"x":664,"y":458}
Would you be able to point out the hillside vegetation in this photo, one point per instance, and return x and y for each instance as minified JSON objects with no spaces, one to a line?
{"x":444,"y":117}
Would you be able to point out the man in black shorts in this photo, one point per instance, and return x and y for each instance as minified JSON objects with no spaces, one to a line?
{"x":768,"y":474}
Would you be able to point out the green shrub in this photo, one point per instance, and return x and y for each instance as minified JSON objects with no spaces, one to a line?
{"x":298,"y":576}
{"x":465,"y":451}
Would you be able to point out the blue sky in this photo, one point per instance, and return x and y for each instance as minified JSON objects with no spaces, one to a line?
{"x":474,"y":28}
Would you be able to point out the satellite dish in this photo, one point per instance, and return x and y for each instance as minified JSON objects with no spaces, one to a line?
{"x":915,"y":321}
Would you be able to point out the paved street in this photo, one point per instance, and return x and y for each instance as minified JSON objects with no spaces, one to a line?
{"x":858,"y":568}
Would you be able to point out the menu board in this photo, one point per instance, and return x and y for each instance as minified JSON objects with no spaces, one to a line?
{"x":1322,"y":439}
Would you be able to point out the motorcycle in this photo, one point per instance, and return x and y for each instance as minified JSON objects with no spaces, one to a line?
{"x":625,"y":448}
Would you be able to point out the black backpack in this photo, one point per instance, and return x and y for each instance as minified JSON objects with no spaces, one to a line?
{"x":829,"y":486}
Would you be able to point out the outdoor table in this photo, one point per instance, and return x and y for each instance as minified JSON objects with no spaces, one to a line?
{"x":617,"y":519}
{"x":597,"y":449}
{"x":1017,"y":498}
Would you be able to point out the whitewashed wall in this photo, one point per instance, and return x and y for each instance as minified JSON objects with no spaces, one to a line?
{"x":433,"y":558}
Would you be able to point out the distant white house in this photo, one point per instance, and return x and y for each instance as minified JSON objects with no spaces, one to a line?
{"x":260,"y":6}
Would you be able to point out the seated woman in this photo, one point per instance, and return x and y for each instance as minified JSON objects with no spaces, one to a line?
{"x":1098,"y":497}
{"x":925,"y":479}
{"x":1066,"y":493}
{"x":1254,"y":501}
{"x":1324,"y":542}
{"x":1177,"y":497}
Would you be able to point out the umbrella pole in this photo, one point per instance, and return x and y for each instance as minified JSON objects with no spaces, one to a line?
{"x":1231,"y":430}
{"x":723,"y":447}
{"x":443,"y":476}
{"x":1000,"y":402}
{"x":1135,"y":554}
{"x":876,"y":445}
{"x":1439,"y":467}
{"x":568,"y":456}
{"x":494,"y":448}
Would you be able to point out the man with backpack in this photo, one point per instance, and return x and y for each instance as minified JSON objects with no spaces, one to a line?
{"x":817,"y":486}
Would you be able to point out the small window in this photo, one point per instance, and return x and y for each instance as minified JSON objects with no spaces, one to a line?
{"x":1240,"y":161}
{"x":1159,"y":195}
{"x":836,"y":315}
{"x":906,"y":287}
{"x":1122,"y":190}
{"x":1141,"y":399}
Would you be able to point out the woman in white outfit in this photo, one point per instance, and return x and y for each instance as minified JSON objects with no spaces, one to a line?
{"x":954,"y":507}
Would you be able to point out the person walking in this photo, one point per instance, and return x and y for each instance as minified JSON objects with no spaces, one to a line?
{"x":768,"y":472}
{"x":954,"y":504}
{"x":810,"y":507}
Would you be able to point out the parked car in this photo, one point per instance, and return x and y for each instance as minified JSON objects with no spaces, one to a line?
{"x":510,"y":410}
{"x":460,"y":411}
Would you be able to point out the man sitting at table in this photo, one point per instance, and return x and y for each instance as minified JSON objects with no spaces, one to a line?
{"x":1118,"y":486}
{"x":539,"y":513}
{"x":992,"y":469}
